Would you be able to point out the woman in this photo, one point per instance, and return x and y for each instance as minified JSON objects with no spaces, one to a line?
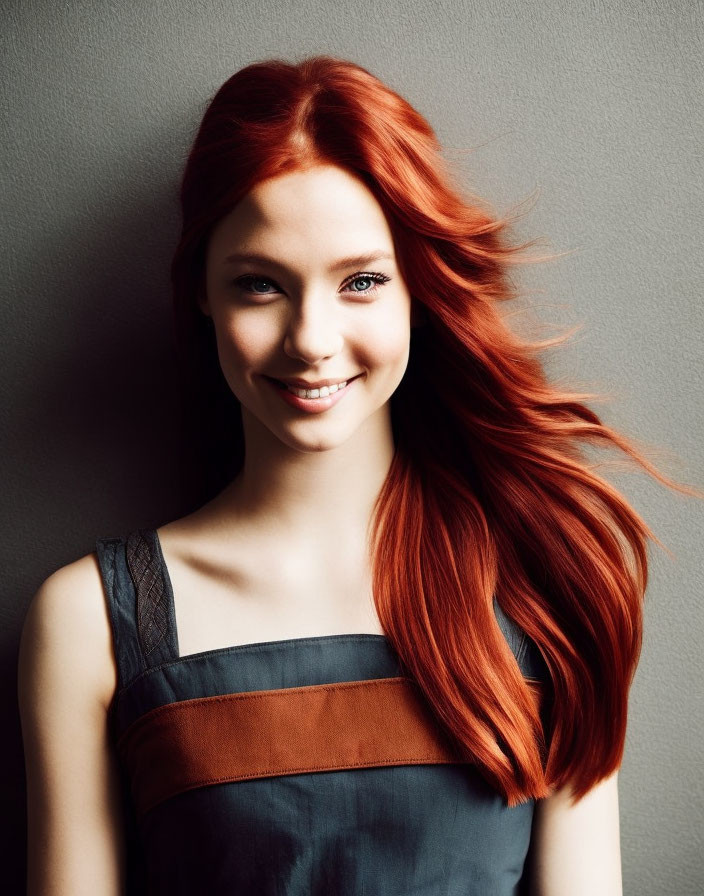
{"x":391,"y":652}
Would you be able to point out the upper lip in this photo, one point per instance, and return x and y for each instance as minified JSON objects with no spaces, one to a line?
{"x":304,"y":384}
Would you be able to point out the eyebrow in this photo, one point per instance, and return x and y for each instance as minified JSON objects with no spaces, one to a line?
{"x":350,"y":261}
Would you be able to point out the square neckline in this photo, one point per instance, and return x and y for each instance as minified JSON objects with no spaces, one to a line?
{"x":279,"y":642}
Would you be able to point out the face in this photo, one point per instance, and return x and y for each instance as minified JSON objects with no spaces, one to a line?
{"x":311,"y":315}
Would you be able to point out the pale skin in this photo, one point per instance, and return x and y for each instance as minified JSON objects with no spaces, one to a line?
{"x":304,"y":497}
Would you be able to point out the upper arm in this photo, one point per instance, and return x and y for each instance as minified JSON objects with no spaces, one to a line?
{"x":66,"y":681}
{"x":575,"y":849}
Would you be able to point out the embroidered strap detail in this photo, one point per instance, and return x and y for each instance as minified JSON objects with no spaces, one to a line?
{"x":154,"y":601}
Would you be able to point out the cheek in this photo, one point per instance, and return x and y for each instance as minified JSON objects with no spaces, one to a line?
{"x":245,"y":341}
{"x":386,"y":342}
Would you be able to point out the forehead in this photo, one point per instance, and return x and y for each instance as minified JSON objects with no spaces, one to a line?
{"x":321,"y":211}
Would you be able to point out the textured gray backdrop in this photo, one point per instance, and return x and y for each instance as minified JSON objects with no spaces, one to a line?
{"x":592,"y":108}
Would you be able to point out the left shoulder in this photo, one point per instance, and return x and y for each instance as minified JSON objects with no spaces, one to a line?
{"x":575,"y":846}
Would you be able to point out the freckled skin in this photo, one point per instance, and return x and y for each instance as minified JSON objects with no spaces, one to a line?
{"x":301,"y":319}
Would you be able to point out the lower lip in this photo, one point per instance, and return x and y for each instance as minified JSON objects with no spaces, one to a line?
{"x":311,"y":405}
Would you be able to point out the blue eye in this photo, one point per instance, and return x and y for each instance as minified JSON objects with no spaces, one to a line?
{"x":356,"y":288}
{"x":361,"y":284}
{"x":371,"y":282}
{"x":251,"y":283}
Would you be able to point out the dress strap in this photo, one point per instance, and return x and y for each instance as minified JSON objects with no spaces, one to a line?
{"x":528,"y":657}
{"x":156,"y":618}
{"x":140,"y":602}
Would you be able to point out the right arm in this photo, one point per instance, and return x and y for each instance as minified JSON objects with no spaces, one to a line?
{"x":67,"y":678}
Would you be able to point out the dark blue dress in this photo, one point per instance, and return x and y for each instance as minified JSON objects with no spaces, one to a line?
{"x":301,"y":766}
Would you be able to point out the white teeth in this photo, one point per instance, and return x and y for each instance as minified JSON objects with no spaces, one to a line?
{"x":323,"y":392}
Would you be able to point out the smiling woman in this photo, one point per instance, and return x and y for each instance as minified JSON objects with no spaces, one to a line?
{"x":294,"y":348}
{"x":390,"y":649}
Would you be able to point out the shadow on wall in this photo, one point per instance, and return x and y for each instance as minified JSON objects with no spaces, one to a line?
{"x":93,"y":421}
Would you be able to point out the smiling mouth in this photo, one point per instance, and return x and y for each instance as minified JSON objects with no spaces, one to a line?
{"x":317,"y":392}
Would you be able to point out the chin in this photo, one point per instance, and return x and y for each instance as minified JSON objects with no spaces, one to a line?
{"x":313,"y":446}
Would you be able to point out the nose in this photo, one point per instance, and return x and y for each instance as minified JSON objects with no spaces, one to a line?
{"x":313,"y":330}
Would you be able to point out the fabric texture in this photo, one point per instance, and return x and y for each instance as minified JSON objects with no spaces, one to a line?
{"x":302,"y":766}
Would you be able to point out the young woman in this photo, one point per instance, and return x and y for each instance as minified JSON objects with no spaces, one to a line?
{"x":389,"y":650}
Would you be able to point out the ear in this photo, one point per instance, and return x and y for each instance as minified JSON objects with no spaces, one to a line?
{"x":419,"y":316}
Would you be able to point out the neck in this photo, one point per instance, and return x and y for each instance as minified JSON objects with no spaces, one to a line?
{"x":324,"y":497}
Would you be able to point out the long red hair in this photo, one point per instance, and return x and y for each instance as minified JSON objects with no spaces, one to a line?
{"x":489,"y":494}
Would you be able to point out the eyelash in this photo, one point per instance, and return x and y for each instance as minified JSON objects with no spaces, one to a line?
{"x":378,"y":280}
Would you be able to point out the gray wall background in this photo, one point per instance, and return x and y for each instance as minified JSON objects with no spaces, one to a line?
{"x":595,"y":108}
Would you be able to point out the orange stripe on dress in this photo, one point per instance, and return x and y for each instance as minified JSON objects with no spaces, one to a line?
{"x":261,"y":734}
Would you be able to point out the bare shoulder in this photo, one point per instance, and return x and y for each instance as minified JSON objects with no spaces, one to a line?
{"x":576,"y":845}
{"x":66,"y":682}
{"x":66,"y":633}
